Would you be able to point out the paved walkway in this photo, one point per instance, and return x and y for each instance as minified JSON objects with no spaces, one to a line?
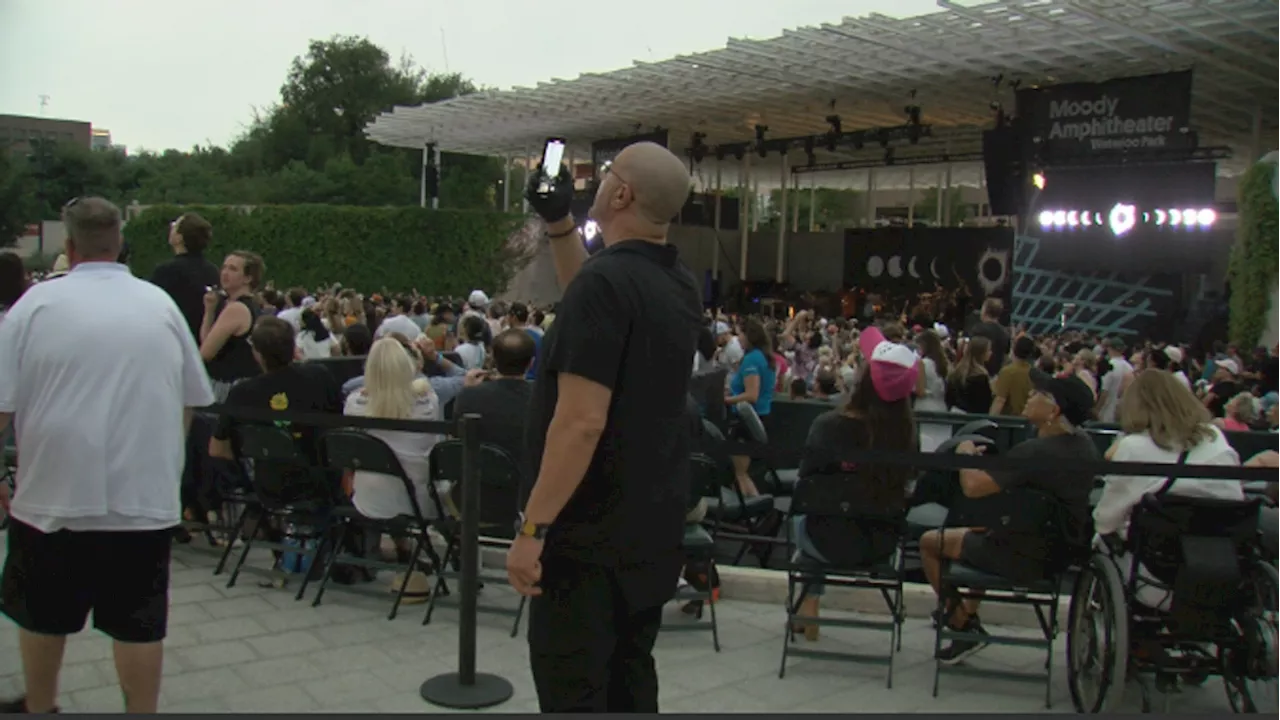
{"x":248,"y":649}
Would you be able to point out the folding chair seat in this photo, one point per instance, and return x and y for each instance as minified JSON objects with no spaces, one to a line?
{"x":733,"y":515}
{"x":359,"y":451}
{"x":839,"y":496}
{"x":290,"y":492}
{"x":500,"y":503}
{"x":699,"y":548}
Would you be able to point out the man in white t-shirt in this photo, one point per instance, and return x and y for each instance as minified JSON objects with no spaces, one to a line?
{"x":730,"y":352}
{"x":1114,"y":382}
{"x":102,"y":436}
{"x":293,"y":313}
{"x":398,"y":322}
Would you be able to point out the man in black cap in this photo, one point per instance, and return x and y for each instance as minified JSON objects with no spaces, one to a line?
{"x":1057,"y":408}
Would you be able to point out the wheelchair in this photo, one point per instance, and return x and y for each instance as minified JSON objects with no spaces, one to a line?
{"x":1188,"y":596}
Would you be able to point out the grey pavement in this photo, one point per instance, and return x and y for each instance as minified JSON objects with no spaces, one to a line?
{"x":250,"y":649}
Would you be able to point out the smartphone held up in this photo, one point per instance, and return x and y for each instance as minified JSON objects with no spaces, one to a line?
{"x":552,"y":157}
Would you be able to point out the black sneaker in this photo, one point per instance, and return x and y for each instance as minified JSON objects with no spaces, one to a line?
{"x":960,"y":649}
{"x":17,"y":706}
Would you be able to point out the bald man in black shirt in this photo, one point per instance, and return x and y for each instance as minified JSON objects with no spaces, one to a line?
{"x":598,"y":546}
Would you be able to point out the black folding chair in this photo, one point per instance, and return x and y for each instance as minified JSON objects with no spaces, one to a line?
{"x":359,"y":451}
{"x":500,"y":482}
{"x":840,"y":496}
{"x":700,"y":549}
{"x":1028,"y":509}
{"x":290,"y":493}
{"x":734,"y":516}
{"x":782,"y":481}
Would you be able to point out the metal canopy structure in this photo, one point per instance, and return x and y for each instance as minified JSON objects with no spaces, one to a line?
{"x":864,"y":69}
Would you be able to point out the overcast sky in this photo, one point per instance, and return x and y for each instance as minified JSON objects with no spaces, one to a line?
{"x":175,"y":73}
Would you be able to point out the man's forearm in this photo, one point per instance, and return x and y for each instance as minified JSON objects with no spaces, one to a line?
{"x":570,"y":445}
{"x":568,"y":252}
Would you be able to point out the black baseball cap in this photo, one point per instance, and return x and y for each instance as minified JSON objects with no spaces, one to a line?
{"x":1070,"y":394}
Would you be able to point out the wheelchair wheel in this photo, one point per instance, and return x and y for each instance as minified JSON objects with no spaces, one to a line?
{"x":1097,"y":638}
{"x":1250,"y":681}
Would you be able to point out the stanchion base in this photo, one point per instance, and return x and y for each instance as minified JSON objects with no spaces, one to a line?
{"x":448,"y":691}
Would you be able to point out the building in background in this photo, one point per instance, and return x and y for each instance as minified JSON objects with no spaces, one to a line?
{"x":100,"y":139}
{"x":17,"y":131}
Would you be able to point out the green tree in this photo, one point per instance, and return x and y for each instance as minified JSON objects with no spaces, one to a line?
{"x":1253,"y":264}
{"x":833,"y":208}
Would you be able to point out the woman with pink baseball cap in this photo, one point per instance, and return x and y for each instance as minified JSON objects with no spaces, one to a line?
{"x":878,"y":415}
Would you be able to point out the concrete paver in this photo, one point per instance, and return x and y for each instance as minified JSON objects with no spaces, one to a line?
{"x":251,"y":649}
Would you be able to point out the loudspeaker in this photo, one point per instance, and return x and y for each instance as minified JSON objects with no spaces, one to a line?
{"x":1005,"y":170}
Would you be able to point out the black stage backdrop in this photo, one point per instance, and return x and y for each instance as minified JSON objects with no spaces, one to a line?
{"x":1146,"y":114}
{"x":904,"y":261}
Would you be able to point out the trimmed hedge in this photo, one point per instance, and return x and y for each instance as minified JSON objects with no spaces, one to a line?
{"x":1254,"y":256}
{"x":437,"y":251}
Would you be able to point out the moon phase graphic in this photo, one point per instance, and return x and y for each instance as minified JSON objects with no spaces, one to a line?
{"x":911,"y":268}
{"x":933,"y":269}
{"x":875,"y":266}
{"x":993,"y":269}
{"x":895,"y":266}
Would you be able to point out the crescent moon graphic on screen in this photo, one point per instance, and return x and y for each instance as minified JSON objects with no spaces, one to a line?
{"x":911,"y":268}
{"x":895,"y":266}
{"x":933,"y":269}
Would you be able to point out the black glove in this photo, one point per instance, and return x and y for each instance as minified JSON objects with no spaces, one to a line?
{"x":552,"y":205}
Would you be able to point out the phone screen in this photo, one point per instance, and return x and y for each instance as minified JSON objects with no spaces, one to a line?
{"x":552,"y":155}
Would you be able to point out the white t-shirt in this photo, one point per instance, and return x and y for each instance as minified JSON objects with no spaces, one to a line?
{"x":313,"y":349}
{"x":400,"y":324}
{"x":293,"y":316}
{"x":97,"y":370}
{"x":1112,"y":384}
{"x":472,"y":355}
{"x":1181,"y":377}
{"x":381,"y":496}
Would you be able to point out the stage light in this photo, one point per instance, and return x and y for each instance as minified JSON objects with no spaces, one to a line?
{"x":1206,"y":217}
{"x":1046,"y":218}
{"x":1121,"y":219}
{"x":1038,"y":181}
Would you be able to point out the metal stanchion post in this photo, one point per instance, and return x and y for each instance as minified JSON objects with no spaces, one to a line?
{"x":466,"y":689}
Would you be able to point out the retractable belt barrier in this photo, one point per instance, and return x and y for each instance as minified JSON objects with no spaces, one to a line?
{"x":464,"y":688}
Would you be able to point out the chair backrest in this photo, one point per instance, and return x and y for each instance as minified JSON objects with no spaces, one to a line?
{"x":1161,"y":525}
{"x":501,"y":484}
{"x":976,"y":427}
{"x":948,"y":446}
{"x":704,"y":474}
{"x":707,"y":389}
{"x":839,"y":495}
{"x":281,"y":473}
{"x":342,"y":368}
{"x":751,"y":421}
{"x":358,"y":450}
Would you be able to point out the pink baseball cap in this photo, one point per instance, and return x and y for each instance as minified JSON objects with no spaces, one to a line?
{"x":893,"y":367}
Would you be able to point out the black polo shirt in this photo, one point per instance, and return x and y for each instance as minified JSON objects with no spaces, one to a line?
{"x":629,"y":321}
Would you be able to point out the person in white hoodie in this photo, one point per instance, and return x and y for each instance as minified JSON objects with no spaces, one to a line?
{"x":1162,"y":422}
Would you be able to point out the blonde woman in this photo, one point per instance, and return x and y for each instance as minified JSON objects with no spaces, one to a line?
{"x":1161,"y":422}
{"x":393,"y":390}
{"x":333,"y":319}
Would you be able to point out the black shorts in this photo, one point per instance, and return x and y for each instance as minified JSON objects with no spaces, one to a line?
{"x":53,"y":580}
{"x":994,"y":555}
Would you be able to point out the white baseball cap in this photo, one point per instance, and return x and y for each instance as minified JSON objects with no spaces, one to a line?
{"x":478,"y":299}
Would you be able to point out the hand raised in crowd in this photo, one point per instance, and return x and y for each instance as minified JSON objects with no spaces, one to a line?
{"x":475,"y":377}
{"x":552,"y":203}
{"x":427,"y":347}
{"x":211,"y":299}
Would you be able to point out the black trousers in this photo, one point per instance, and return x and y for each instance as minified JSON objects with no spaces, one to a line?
{"x":591,"y":635}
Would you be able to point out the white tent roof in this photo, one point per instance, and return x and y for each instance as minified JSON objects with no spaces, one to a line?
{"x":868,"y":66}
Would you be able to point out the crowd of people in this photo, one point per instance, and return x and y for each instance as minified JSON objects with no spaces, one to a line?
{"x":606,"y":465}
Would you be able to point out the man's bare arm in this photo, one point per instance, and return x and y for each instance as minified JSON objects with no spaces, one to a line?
{"x":567,"y":252}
